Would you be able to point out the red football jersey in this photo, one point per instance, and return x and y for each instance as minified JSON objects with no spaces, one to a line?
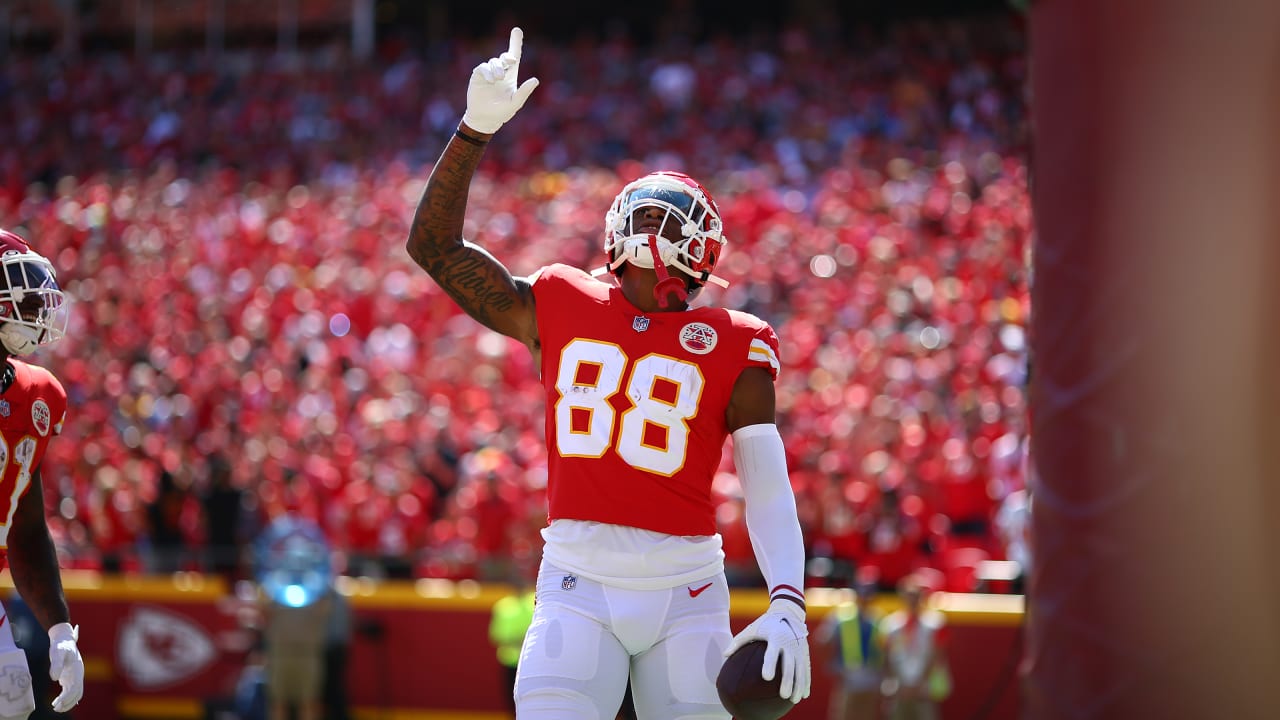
{"x":31,"y":411}
{"x":636,"y":402}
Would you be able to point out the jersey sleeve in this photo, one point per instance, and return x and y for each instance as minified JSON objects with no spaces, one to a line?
{"x":57,"y":426}
{"x":549,"y":277}
{"x":763,"y":350}
{"x":556,"y":289}
{"x":46,"y":388}
{"x":58,"y":408}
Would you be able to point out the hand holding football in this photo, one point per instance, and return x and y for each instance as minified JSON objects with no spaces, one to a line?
{"x":743,"y":690}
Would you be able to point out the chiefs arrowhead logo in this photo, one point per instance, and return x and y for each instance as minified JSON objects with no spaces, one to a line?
{"x":157,"y":648}
{"x":698,"y":338}
{"x":40,"y":417}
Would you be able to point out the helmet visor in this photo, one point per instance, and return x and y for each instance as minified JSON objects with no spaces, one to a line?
{"x":665,"y":196}
{"x":32,"y":298}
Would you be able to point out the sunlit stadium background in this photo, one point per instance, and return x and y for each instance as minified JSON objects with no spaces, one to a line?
{"x":225,"y":187}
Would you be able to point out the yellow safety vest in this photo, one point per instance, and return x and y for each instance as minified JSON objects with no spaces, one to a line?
{"x":851,"y":637}
{"x":510,"y":621}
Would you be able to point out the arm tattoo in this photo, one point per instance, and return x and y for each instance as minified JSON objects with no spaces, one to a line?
{"x":473,"y":278}
{"x":471,"y":282}
{"x":33,"y":561}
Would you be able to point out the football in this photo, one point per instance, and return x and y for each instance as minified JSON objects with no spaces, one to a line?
{"x":743,"y":691}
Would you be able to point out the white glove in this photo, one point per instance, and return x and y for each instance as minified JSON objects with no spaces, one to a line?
{"x":492,"y":96}
{"x":66,"y":666}
{"x":782,"y":628}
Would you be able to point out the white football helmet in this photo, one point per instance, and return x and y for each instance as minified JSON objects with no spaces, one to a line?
{"x":32,"y":306}
{"x":686,"y":204}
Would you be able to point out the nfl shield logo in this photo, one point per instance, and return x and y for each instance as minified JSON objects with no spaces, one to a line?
{"x":569,"y":582}
{"x":4,"y":408}
{"x":640,"y":324}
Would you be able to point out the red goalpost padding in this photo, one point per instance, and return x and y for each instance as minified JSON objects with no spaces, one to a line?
{"x":1155,"y":411}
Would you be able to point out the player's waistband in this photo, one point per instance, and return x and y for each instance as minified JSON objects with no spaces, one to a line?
{"x":631,"y":558}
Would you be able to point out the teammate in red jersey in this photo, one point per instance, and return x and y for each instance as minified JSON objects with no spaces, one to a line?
{"x":642,"y":391}
{"x":32,"y":408}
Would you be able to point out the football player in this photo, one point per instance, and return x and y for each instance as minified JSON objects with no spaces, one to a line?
{"x":32,"y":408}
{"x":642,"y":391}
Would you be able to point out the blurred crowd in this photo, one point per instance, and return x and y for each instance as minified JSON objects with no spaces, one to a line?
{"x":250,"y":339}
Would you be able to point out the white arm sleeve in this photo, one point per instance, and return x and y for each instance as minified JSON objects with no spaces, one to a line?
{"x":772,"y":521}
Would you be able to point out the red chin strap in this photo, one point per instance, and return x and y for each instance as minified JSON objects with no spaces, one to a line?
{"x":667,"y":285}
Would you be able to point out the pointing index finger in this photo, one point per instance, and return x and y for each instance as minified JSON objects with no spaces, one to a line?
{"x":517,"y":41}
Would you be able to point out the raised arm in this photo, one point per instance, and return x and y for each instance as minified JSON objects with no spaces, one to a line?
{"x":477,"y":282}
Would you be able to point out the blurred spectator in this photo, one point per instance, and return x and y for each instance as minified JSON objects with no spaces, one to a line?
{"x":917,"y":676}
{"x":849,"y":641}
{"x":294,"y":640}
{"x":116,"y":520}
{"x":892,"y":538}
{"x":1013,"y":523}
{"x":166,"y":534}
{"x":222,"y":505}
{"x":492,"y":505}
{"x":297,"y":599}
{"x":250,"y":699}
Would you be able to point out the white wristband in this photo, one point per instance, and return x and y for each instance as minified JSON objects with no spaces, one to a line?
{"x":64,"y":631}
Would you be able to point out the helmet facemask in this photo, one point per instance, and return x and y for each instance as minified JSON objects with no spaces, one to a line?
{"x":679,"y":203}
{"x":32,"y":307}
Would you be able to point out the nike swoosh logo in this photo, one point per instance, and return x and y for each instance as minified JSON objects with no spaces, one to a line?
{"x":698,"y":591}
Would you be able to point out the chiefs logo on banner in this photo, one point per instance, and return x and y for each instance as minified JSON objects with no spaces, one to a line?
{"x":157,"y":648}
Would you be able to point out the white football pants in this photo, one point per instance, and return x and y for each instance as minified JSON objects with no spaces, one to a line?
{"x":16,"y":698}
{"x":586,"y":639}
